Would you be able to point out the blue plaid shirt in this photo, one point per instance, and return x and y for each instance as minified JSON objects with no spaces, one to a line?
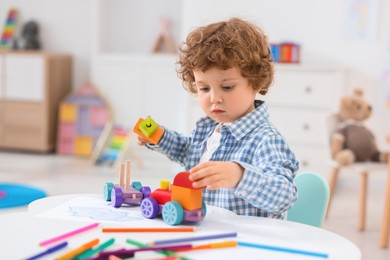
{"x":266,"y":188}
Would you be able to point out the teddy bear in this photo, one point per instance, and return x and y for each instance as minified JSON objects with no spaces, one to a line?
{"x":352,"y":141}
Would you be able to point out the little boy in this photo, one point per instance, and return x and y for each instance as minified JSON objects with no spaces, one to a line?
{"x":235,"y":151}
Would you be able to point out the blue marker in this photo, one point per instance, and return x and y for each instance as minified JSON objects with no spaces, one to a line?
{"x":284,"y":249}
{"x":49,"y":251}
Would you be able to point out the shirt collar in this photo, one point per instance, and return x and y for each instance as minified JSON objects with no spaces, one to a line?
{"x":245,"y":124}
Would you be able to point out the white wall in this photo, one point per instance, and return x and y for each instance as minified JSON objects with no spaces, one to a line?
{"x":65,"y":26}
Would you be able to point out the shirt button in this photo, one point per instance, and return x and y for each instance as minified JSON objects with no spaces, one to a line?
{"x":243,"y":193}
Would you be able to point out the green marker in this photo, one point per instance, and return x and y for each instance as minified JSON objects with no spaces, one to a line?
{"x":92,"y":251}
{"x":148,"y":126}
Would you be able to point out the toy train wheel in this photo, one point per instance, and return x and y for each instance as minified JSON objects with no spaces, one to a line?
{"x":116,"y":197}
{"x":107,"y":190}
{"x":149,"y":208}
{"x":146,"y":191}
{"x":172,"y":213}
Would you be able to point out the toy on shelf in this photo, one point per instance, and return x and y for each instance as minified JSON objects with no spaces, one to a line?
{"x":123,"y":193}
{"x":30,"y":36}
{"x":82,"y":118}
{"x":176,"y":203}
{"x":149,"y":130}
{"x":9,"y":29}
{"x":111,"y":145}
{"x":286,"y":52}
{"x":164,"y":37}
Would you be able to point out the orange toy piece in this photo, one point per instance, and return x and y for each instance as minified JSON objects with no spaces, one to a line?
{"x":183,"y":192}
{"x":154,"y":138}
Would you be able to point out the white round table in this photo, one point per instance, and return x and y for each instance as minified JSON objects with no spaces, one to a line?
{"x":21,"y":233}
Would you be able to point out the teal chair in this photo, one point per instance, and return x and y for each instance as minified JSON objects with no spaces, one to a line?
{"x":313,"y":197}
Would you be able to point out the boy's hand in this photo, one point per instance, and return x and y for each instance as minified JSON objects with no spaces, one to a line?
{"x":216,"y":175}
{"x":141,"y":141}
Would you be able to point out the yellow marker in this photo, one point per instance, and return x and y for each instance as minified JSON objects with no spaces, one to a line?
{"x":210,"y":246}
{"x":216,"y":245}
{"x":79,"y":250}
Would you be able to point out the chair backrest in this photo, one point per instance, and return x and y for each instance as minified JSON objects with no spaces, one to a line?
{"x":332,"y":120}
{"x":313,"y":197}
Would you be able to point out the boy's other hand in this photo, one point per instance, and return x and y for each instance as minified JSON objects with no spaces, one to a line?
{"x":141,"y":141}
{"x":216,"y":175}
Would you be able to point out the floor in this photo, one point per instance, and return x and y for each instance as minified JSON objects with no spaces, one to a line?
{"x":66,"y":175}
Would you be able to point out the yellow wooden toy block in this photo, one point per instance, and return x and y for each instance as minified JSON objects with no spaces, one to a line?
{"x":154,"y":138}
{"x":164,"y":184}
{"x":68,"y":113}
{"x":190,"y":199}
{"x":83,"y":145}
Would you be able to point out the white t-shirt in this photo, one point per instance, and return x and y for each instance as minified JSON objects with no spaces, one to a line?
{"x":211,"y":145}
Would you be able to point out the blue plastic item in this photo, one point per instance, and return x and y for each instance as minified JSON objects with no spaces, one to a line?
{"x":313,"y":197}
{"x":15,"y":195}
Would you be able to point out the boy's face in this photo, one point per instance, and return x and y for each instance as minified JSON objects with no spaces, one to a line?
{"x":224,"y":95}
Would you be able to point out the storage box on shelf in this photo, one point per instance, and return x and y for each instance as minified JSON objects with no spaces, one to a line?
{"x":31,"y":87}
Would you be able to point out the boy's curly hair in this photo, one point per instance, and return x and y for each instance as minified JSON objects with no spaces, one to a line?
{"x":224,"y":45}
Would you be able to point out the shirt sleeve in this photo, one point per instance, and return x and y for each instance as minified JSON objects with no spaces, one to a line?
{"x":268,"y":183}
{"x":174,"y":145}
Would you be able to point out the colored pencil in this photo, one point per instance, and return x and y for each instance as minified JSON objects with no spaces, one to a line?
{"x":79,"y":250}
{"x":139,"y":244}
{"x":177,"y":229}
{"x":48,"y":251}
{"x":122,"y":252}
{"x":284,"y":249}
{"x":188,"y":239}
{"x":68,"y":235}
{"x":163,"y":252}
{"x":92,"y":251}
{"x":210,"y":246}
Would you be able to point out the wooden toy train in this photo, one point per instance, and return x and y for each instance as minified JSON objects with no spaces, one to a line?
{"x":175,"y":203}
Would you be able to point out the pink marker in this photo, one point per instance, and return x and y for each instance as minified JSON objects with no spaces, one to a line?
{"x":69,"y":234}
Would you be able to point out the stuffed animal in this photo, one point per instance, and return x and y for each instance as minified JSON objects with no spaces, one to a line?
{"x":352,"y":141}
{"x":30,"y":33}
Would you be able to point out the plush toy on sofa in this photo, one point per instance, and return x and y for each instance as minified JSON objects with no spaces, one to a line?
{"x":352,"y":141}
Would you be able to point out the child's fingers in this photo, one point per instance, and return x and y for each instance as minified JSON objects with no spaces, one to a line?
{"x":199,"y":173}
{"x":141,"y":141}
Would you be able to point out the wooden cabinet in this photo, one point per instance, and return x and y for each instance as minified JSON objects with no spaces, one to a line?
{"x":31,"y":85}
